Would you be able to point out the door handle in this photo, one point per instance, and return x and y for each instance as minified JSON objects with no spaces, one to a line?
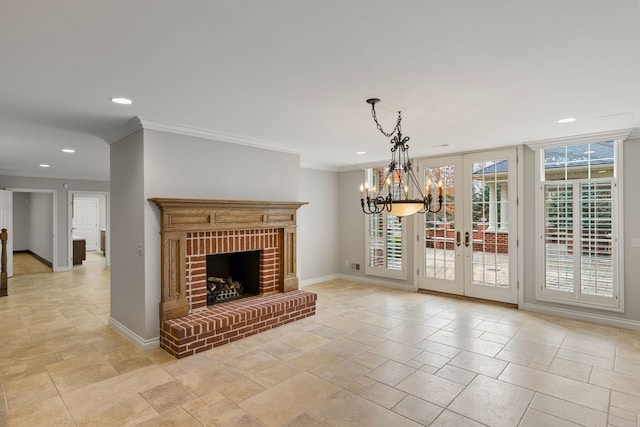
{"x":458,"y":242}
{"x":466,"y":239}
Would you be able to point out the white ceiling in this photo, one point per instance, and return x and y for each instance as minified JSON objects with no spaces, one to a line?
{"x":295,"y":74}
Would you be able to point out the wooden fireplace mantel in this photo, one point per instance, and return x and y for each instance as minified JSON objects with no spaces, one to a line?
{"x":181,"y":216}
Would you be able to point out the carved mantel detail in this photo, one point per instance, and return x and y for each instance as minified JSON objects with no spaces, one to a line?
{"x":181,"y":216}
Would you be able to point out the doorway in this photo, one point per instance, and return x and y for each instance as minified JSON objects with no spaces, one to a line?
{"x":34,"y":219}
{"x":469,"y":247}
{"x":88,"y":225}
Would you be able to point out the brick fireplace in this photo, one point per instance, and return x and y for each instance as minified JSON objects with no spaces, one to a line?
{"x":190,"y":230}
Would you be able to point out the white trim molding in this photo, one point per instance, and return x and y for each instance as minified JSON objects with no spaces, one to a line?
{"x":315,"y":280}
{"x":138,"y":123}
{"x":146,"y":345}
{"x":377,"y":282}
{"x":580,"y":315}
{"x":615,"y":135}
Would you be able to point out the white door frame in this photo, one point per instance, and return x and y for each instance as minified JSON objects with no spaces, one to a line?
{"x":71,"y":195}
{"x":518,"y":263}
{"x":54,"y":218}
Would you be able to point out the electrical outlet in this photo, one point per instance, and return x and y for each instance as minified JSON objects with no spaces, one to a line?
{"x":140,"y":250}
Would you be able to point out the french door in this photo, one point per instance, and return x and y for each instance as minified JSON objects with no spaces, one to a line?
{"x":469,"y":246}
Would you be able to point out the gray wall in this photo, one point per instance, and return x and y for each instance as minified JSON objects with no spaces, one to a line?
{"x":351,"y":224}
{"x":41,"y":225}
{"x":61,"y":197}
{"x":21,"y":230}
{"x":127,"y":232}
{"x":352,"y":233}
{"x":318,"y":228}
{"x":151,"y":164}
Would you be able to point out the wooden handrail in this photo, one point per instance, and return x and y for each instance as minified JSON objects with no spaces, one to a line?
{"x":4,"y":236}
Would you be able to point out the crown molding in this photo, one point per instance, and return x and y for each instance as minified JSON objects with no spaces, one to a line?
{"x":316,"y":166}
{"x":614,"y":135}
{"x":635,"y":134}
{"x":216,"y":136}
{"x":24,"y":174}
{"x":123,"y":131}
{"x":138,"y":123}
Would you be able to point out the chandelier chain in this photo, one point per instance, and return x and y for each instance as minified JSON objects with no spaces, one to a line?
{"x":395,"y":129}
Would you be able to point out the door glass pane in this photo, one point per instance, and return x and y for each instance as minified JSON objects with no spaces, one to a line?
{"x":489,"y":222}
{"x":440,"y":227}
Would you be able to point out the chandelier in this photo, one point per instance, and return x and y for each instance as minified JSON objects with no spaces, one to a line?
{"x":394,"y":199}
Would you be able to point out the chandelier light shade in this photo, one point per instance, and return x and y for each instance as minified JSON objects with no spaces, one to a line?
{"x":391,"y":195}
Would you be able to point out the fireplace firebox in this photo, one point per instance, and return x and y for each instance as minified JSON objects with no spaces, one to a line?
{"x":232,"y":275}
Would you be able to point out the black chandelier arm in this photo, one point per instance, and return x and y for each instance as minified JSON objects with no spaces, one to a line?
{"x":376,"y":205}
{"x":428,"y":200}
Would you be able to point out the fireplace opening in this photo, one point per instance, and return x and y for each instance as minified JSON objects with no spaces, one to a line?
{"x":232,"y":275}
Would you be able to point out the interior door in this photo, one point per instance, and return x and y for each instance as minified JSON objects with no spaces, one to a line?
{"x":469,"y":246}
{"x":85,"y":221}
{"x":6,"y":221}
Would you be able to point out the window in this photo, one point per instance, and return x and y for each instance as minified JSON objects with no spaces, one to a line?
{"x":385,"y":237}
{"x":579,"y":225}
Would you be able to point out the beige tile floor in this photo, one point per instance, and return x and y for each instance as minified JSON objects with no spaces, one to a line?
{"x":370,"y":357}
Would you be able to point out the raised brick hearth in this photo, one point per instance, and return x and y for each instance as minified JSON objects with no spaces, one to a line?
{"x":234,"y":320}
{"x":191,"y":229}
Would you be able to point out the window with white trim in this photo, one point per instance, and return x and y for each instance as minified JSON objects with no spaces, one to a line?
{"x":385,"y":237}
{"x":578,"y":225}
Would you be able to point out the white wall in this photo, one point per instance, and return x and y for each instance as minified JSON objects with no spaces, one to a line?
{"x":318,"y":226}
{"x":61,"y":196}
{"x":41,"y":225}
{"x":21,"y":229}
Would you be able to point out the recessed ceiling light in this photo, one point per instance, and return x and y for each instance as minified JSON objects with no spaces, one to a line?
{"x":439,"y":145}
{"x":44,"y":165}
{"x":68,"y":150}
{"x":122,"y":101}
{"x":567,"y":120}
{"x":361,"y":152}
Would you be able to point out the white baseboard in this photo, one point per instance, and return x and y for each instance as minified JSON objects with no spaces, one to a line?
{"x":59,"y":269}
{"x":146,"y":345}
{"x":313,"y":281}
{"x":378,"y":282}
{"x":578,"y":315}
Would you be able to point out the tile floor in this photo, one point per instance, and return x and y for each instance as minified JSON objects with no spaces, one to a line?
{"x":371,"y":357}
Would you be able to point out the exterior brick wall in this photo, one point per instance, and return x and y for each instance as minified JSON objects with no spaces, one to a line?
{"x":223,"y":323}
